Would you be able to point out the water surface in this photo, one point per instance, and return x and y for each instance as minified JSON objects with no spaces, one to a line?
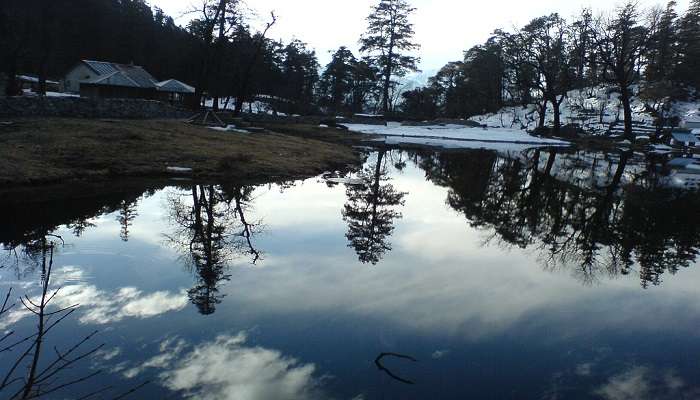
{"x":535,"y":274}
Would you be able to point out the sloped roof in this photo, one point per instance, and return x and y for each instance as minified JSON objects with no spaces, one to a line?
{"x":122,"y":74}
{"x":174,"y":86}
{"x":116,"y":78}
{"x":684,"y":137}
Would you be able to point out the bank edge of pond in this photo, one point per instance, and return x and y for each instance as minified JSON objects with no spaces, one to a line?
{"x":41,"y":151}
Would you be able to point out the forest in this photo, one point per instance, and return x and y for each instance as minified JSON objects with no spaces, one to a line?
{"x":647,"y":53}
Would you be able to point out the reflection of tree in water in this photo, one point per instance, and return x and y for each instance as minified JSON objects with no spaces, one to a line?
{"x":212,"y":232}
{"x":126,"y":217}
{"x":599,"y":222}
{"x":370,"y":211}
{"x":28,"y":219}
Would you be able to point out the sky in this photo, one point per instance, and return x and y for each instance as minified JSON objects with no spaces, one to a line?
{"x":444,"y":28}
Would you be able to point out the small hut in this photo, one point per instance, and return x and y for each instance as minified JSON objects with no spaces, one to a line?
{"x":100,"y":79}
{"x":175,"y":92}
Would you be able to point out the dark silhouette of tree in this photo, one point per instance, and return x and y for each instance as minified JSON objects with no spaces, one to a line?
{"x":620,"y":44}
{"x":336,"y":83}
{"x":688,"y":46}
{"x":370,"y":212}
{"x":388,"y":38}
{"x":547,"y":45}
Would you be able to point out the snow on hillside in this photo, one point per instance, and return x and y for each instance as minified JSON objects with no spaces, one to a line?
{"x":596,"y":109}
{"x":456,"y":136}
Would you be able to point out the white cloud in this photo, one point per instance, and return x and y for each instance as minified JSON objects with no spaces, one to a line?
{"x":99,"y":306}
{"x":644,"y":383}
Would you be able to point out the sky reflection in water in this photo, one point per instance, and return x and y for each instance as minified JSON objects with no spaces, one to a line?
{"x":459,"y":260}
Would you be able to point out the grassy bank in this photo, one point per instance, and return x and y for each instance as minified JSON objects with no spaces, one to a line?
{"x":36,"y":151}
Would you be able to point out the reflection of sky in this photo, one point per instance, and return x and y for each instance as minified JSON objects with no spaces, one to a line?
{"x":480,"y":318}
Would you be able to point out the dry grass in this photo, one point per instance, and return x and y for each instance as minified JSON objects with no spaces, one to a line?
{"x":54,"y":150}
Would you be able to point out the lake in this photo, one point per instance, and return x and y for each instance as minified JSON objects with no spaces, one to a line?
{"x":460,"y":274}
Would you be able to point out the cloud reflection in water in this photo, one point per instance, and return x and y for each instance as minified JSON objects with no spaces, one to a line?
{"x":227,"y":368}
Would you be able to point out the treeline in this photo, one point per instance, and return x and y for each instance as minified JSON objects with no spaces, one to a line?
{"x":653,"y":53}
{"x":217,"y":52}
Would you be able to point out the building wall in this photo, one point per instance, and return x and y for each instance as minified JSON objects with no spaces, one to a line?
{"x":80,"y":72}
{"x":116,"y":92}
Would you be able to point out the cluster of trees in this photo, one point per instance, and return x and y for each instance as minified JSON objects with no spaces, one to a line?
{"x":656,"y":51}
{"x":218,"y":52}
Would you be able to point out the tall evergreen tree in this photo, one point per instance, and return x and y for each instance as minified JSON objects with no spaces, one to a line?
{"x":389,"y":39}
{"x":689,"y":46}
{"x":661,"y":57}
{"x":336,"y":82}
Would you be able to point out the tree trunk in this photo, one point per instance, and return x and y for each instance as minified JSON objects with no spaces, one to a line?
{"x":550,"y":162}
{"x":387,"y":74}
{"x":387,"y":84}
{"x":46,"y":23}
{"x":625,"y":98}
{"x":557,"y":115}
{"x":543,"y":113}
{"x":240,"y":99}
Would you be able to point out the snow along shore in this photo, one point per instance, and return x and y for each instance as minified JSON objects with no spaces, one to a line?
{"x":456,"y":136}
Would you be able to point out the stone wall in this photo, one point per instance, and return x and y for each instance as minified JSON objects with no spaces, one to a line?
{"x":78,"y":107}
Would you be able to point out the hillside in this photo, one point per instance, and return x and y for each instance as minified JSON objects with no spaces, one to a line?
{"x":597,"y":110}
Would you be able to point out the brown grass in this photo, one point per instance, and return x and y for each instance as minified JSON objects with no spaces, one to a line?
{"x":54,"y":150}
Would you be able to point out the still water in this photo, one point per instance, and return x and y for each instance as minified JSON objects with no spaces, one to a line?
{"x":467,"y":275}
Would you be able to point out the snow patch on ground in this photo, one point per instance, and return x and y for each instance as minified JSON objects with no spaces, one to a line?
{"x":595,"y":109}
{"x":228,"y":128}
{"x":456,"y":136}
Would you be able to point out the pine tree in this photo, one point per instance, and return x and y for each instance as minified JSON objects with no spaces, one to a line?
{"x":337,"y":80}
{"x":689,"y":46}
{"x":389,"y":39}
{"x":661,"y":55}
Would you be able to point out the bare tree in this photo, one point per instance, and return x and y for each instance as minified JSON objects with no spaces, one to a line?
{"x":34,"y":374}
{"x":621,"y":42}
